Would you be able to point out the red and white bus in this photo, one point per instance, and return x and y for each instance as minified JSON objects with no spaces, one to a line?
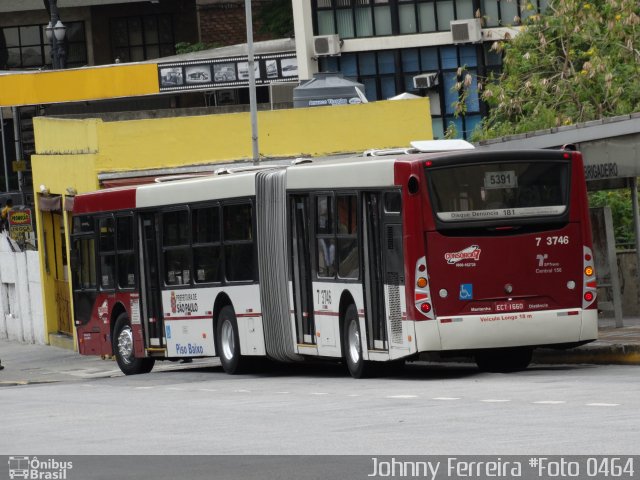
{"x":364,"y":259}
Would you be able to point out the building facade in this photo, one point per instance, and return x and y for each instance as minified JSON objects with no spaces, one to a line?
{"x":385,"y":44}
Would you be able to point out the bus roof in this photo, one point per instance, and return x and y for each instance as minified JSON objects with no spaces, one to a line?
{"x":328,"y":172}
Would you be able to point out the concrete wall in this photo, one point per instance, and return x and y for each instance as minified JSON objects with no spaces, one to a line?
{"x":21,"y":313}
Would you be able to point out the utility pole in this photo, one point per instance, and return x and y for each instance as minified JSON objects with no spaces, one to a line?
{"x":252,"y":84}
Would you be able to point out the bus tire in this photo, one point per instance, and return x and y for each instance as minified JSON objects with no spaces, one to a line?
{"x":356,"y":364}
{"x":229,"y":342}
{"x":122,"y":344}
{"x":506,"y":360}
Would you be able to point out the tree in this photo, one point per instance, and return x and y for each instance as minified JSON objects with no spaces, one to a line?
{"x":578,"y":61}
{"x":276,"y":18}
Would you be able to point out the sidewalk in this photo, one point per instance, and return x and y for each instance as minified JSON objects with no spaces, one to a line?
{"x":614,"y":346}
{"x":28,"y":364}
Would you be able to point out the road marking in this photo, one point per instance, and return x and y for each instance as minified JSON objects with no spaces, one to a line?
{"x":283,"y":393}
{"x":495,"y":400}
{"x":353,"y":395}
{"x":402,"y":396}
{"x":550,"y":402}
{"x":144,"y":388}
{"x":207,"y":390}
{"x":319,"y":393}
{"x":603,"y":404}
{"x":446,"y":398}
{"x":242,"y":391}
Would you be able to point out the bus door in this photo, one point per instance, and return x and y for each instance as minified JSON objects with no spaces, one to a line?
{"x":150,"y":281}
{"x":383,"y":271}
{"x":301,"y":269}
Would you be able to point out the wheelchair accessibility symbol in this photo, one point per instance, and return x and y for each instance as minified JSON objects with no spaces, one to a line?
{"x":466,"y":291}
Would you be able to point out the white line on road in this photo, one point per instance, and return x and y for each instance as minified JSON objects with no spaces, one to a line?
{"x":242,"y":391}
{"x":283,"y":393}
{"x":144,"y":388}
{"x":207,"y":390}
{"x":603,"y":404}
{"x":550,"y":402}
{"x":402,"y":396}
{"x":353,"y":395}
{"x":319,"y":393}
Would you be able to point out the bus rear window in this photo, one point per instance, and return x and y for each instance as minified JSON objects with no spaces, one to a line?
{"x":505,"y":190}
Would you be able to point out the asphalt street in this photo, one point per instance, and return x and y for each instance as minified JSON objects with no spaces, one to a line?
{"x":427,"y":409}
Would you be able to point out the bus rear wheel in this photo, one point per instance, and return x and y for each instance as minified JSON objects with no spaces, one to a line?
{"x":122,"y":344}
{"x":356,"y":364}
{"x":229,"y":342}
{"x":504,"y":360}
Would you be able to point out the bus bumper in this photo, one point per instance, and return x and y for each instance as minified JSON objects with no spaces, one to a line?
{"x":500,"y":330}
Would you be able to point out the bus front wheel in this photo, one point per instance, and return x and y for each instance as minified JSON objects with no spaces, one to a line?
{"x":229,"y":342}
{"x":356,"y":364}
{"x":122,"y":344}
{"x":504,"y":360}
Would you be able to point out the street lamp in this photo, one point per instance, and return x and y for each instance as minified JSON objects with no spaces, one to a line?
{"x":55,"y":32}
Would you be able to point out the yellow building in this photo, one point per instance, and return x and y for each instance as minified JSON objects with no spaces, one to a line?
{"x":71,"y":154}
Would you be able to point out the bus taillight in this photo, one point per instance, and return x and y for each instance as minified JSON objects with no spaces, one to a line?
{"x":422,"y":295}
{"x":589,"y":287}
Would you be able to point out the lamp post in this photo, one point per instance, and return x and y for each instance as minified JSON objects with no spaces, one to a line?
{"x":55,"y":32}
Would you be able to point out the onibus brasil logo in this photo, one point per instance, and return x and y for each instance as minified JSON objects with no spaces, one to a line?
{"x":33,"y":468}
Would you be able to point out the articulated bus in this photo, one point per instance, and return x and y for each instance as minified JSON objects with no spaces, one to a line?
{"x":365,"y":260}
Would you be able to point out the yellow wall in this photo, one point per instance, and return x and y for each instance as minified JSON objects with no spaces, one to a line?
{"x":179,"y":141}
{"x":88,"y":83}
{"x":71,"y":153}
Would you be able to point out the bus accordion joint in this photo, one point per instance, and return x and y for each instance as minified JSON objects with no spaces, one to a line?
{"x":589,"y":284}
{"x":422,"y":295}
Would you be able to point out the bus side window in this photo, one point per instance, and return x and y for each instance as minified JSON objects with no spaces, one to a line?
{"x":325,"y":232}
{"x":175,"y":247}
{"x":125,"y":252}
{"x":83,"y":262}
{"x":107,"y":252}
{"x":347,"y":237}
{"x":206,"y":244}
{"x":238,"y":242}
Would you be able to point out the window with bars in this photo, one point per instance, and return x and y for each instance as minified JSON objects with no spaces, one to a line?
{"x":389,"y":72}
{"x":140,"y":38}
{"x":28,"y":47}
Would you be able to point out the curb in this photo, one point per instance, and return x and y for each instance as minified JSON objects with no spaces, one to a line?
{"x":615,"y":354}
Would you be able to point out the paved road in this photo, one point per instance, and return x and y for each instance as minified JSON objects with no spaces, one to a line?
{"x":426,"y":410}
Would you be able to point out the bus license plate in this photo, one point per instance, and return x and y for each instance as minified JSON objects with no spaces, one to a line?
{"x":509,"y":306}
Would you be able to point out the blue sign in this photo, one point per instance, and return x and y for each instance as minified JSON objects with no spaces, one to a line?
{"x":168,"y":329}
{"x":466,"y":291}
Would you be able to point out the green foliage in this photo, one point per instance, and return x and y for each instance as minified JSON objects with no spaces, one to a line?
{"x":621,"y":211}
{"x":186,"y":47}
{"x":276,"y":18}
{"x":579,"y":61}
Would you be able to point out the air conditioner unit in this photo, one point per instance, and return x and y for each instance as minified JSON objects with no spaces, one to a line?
{"x":466,"y":31}
{"x":425,"y":80}
{"x":326,"y":45}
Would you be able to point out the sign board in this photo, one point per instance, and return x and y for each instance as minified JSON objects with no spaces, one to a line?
{"x":227,"y":72}
{"x":19,"y":166}
{"x":20,"y":224}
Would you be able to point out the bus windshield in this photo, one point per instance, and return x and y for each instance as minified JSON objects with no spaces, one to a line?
{"x":504,"y":190}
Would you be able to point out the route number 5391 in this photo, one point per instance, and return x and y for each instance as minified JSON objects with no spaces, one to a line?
{"x":552,"y":240}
